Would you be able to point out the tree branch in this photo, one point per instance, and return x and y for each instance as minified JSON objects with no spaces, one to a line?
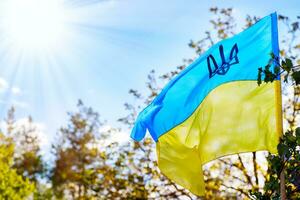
{"x":236,"y":189}
{"x":255,"y":168}
{"x":244,"y":171}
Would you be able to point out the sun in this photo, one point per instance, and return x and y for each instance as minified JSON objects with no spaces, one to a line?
{"x":34,"y":24}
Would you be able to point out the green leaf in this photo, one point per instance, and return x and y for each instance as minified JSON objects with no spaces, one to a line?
{"x":289,"y":63}
{"x":296,"y":77}
{"x":277,"y":70}
{"x":298,"y":132}
{"x":259,"y":76}
{"x":281,"y":149}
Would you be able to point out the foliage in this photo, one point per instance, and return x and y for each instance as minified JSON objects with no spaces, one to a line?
{"x":287,"y":162}
{"x":87,"y":167}
{"x":26,"y":157}
{"x":230,"y":176}
{"x":89,"y":164}
{"x":284,"y":168}
{"x":76,"y":166}
{"x":236,"y":174}
{"x":12,"y":185}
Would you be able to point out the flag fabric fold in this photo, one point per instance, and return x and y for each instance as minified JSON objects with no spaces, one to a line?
{"x":214,"y":107}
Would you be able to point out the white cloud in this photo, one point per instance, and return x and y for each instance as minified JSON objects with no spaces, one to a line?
{"x":113,"y":135}
{"x":3,"y":126}
{"x":16,"y":90}
{"x":39,"y":130}
{"x":13,"y":90}
{"x":35,"y":129}
{"x":3,"y":84}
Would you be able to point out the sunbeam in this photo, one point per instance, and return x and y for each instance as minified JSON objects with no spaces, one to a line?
{"x":79,"y":3}
{"x":58,"y":51}
{"x":34,"y":25}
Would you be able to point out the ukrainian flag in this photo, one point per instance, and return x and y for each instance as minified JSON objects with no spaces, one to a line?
{"x":215,"y":108}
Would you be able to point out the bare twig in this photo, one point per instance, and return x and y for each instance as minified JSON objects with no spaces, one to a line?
{"x":244,"y":171}
{"x":255,"y":167}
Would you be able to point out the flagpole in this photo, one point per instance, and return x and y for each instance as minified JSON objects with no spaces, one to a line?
{"x":280,"y":130}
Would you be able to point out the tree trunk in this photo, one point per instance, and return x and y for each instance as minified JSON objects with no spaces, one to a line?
{"x":282,"y":185}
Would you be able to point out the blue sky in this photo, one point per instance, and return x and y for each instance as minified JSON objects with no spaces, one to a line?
{"x":110,"y":47}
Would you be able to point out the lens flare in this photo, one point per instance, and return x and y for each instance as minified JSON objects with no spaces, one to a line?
{"x":34,"y":24}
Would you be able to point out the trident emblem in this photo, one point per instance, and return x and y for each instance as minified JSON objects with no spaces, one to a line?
{"x":223,"y":69}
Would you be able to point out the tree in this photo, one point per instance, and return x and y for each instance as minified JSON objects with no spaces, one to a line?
{"x":243,"y":172}
{"x":284,"y":168}
{"x":89,"y":164}
{"x":27,"y":159}
{"x":12,"y":185}
{"x":77,"y":164}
